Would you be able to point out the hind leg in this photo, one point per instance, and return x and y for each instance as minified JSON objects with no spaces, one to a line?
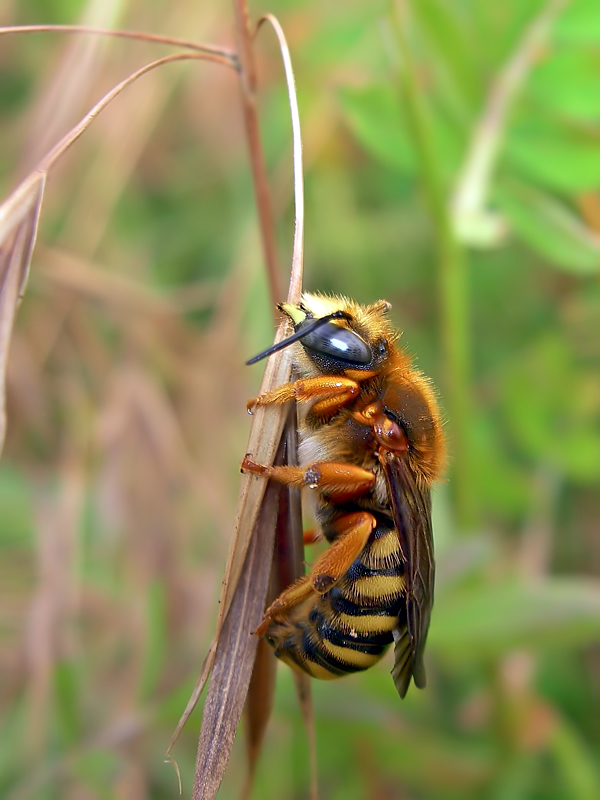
{"x":353,"y":534}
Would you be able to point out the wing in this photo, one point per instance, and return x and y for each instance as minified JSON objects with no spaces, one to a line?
{"x":410,"y":504}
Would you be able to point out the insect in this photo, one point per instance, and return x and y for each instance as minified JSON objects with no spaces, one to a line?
{"x":371,"y":445}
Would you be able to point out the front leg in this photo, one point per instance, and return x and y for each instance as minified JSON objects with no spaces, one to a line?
{"x":337,"y":391}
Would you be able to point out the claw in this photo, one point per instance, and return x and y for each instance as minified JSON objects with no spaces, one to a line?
{"x":263,"y":627}
{"x":249,"y":466}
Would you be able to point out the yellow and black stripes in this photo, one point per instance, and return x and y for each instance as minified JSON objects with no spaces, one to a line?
{"x":350,"y":627}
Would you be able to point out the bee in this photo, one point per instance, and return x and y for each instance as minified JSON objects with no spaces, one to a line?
{"x":371,"y":445}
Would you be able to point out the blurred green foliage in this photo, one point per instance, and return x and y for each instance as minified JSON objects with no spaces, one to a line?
{"x":126,"y":399}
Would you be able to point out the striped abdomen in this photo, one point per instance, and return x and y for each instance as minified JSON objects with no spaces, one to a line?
{"x":350,"y":627}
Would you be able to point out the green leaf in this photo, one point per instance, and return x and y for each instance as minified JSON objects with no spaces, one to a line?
{"x":501,"y":483}
{"x":550,"y":228}
{"x":554,"y":155}
{"x":375,"y":117}
{"x":489,"y":620}
{"x":580,"y":23}
{"x":551,"y":404}
{"x":567,"y":82}
{"x":99,"y":771}
{"x":156,"y":641}
{"x":576,"y":762}
{"x":337,"y":37}
{"x":16,"y":516}
{"x":68,"y":699}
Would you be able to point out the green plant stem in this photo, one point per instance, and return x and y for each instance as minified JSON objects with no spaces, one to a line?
{"x":452,"y":282}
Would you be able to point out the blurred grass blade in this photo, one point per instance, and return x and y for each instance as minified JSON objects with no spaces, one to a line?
{"x":19,"y":216}
{"x":304,"y":693}
{"x":486,"y":621}
{"x":446,"y":26}
{"x":560,"y":157}
{"x":576,"y":762}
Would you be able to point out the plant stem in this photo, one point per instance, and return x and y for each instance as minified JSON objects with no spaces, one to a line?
{"x":247,"y":73}
{"x":452,"y":282}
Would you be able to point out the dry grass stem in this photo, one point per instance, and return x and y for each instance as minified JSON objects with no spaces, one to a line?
{"x":262,"y":192}
{"x":298,"y":248}
{"x":208,"y":50}
{"x":59,"y":149}
{"x":258,"y":503}
{"x":19,"y":217}
{"x":19,"y":214}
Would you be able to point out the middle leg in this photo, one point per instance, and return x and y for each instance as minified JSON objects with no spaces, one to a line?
{"x":336,"y":480}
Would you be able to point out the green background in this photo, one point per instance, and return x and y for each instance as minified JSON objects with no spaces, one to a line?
{"x":127,"y":390}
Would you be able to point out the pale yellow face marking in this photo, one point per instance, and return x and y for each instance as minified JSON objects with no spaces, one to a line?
{"x":294,"y":313}
{"x":320,"y":306}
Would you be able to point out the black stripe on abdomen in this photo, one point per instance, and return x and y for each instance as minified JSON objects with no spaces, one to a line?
{"x":372,"y":643}
{"x":342,"y":605}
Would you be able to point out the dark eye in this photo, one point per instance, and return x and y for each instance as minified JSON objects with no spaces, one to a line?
{"x":339,"y":343}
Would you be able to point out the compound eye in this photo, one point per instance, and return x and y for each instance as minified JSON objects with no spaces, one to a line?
{"x":339,"y":343}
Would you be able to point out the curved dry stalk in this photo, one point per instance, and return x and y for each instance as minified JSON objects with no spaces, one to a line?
{"x":262,"y":192}
{"x":19,"y":213}
{"x":155,"y":38}
{"x":75,"y":132}
{"x":295,"y":288}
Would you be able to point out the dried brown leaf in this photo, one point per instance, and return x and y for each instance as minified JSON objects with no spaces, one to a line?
{"x":19,"y":216}
{"x":258,"y":708}
{"x":235,"y":654}
{"x":287,"y":566}
{"x":265,"y":437}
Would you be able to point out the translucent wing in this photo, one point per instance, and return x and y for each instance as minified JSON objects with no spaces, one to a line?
{"x":410,"y":503}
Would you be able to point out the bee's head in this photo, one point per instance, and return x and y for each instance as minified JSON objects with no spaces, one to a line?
{"x":337,"y":334}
